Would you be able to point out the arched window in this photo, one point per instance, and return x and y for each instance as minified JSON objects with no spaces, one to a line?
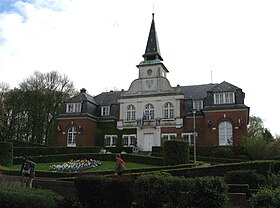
{"x":149,"y":112}
{"x":168,"y":110}
{"x":130,"y":113}
{"x":225,"y":133}
{"x":72,"y":137}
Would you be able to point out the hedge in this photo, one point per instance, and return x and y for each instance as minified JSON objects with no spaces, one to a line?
{"x":26,"y":198}
{"x":175,"y":152}
{"x":104,"y":192}
{"x":36,"y":151}
{"x":6,"y":153}
{"x":163,"y":190}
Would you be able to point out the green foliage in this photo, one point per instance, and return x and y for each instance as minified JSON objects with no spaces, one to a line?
{"x":26,"y":198}
{"x":266,"y":198}
{"x":32,"y":108}
{"x":175,"y":152}
{"x":36,"y":151}
{"x":159,"y":190}
{"x":221,"y":152}
{"x":104,"y":192}
{"x":6,"y":153}
{"x":257,"y":148}
{"x":250,"y":177}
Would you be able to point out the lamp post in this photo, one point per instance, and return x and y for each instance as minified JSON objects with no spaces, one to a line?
{"x":194,"y":136}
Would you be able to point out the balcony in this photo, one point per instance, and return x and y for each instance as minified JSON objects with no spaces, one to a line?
{"x":160,"y":122}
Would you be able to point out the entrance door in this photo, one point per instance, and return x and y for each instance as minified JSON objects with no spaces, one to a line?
{"x":148,"y":141}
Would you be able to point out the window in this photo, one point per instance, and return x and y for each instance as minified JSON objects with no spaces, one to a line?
{"x":105,"y":110}
{"x":129,"y":140}
{"x":224,"y":97}
{"x":110,"y":140}
{"x":166,"y":137}
{"x":225,"y":133}
{"x":197,"y":104}
{"x":188,"y":137}
{"x":149,"y":112}
{"x":130,"y":113}
{"x":168,"y":110}
{"x":73,"y":107}
{"x":72,"y":137}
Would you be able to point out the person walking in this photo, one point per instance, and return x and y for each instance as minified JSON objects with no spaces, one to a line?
{"x":120,"y":166}
{"x":28,"y":172}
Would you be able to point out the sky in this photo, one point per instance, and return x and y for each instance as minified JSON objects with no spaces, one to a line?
{"x":98,"y":44}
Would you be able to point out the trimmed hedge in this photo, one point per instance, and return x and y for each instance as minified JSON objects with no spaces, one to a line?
{"x":104,"y":192}
{"x":261,"y":167}
{"x":163,"y":190}
{"x":6,"y":153}
{"x":250,"y":177}
{"x":18,"y":143}
{"x":175,"y":152}
{"x":36,"y":151}
{"x":26,"y":198}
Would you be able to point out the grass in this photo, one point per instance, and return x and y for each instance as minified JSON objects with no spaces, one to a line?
{"x":105,"y":165}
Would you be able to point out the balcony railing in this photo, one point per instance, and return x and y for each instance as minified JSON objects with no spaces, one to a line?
{"x":176,"y":122}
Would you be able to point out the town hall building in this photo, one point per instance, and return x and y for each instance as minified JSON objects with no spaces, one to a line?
{"x":152,"y":111}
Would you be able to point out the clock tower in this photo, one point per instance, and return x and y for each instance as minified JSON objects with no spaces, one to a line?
{"x":148,"y":96}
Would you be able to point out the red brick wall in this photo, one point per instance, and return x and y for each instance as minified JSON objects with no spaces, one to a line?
{"x":209,"y":135}
{"x":86,"y":134}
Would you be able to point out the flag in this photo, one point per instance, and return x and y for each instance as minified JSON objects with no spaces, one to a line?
{"x":143,"y":119}
{"x":149,"y":120}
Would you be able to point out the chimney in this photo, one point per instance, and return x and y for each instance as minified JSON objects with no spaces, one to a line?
{"x":83,"y":90}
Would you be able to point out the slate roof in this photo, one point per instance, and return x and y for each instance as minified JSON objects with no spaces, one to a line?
{"x":197,"y":91}
{"x":152,"y":49}
{"x":107,"y":98}
{"x":81,"y":97}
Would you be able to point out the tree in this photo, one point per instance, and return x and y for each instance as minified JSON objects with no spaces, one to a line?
{"x":33,"y":107}
{"x":259,"y":142}
{"x":256,"y":129}
{"x":4,"y":87}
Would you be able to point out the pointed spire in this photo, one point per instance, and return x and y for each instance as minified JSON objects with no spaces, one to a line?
{"x":152,"y":49}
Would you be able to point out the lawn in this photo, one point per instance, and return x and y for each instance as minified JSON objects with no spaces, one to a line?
{"x":105,"y":165}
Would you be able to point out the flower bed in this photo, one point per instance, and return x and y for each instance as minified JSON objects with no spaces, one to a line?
{"x":75,"y":166}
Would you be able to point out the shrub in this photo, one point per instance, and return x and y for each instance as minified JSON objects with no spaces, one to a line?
{"x":159,"y":190}
{"x":175,"y":152}
{"x":26,"y":198}
{"x":266,"y":198}
{"x":250,"y":177}
{"x":221,"y":152}
{"x":104,"y":192}
{"x":6,"y":153}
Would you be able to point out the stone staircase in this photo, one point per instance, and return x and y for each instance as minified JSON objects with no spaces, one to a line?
{"x":239,"y":195}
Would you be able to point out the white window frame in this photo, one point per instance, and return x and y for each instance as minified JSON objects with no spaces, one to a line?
{"x":105,"y":110}
{"x":225,"y":133}
{"x":197,"y":104}
{"x":168,"y":111}
{"x":73,"y":107}
{"x":112,"y":140}
{"x":130,"y":138}
{"x":168,"y":136}
{"x":149,"y":112}
{"x":130,"y":113}
{"x":224,"y":97}
{"x":72,"y":137}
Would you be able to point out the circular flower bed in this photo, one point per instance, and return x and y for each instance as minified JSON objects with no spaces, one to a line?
{"x":75,"y":165}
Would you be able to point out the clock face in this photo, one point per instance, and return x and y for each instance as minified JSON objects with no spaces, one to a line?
{"x":149,"y":72}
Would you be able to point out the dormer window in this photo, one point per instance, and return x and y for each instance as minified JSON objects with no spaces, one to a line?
{"x":224,"y":97}
{"x":197,"y":104}
{"x":105,"y":110}
{"x":73,"y":107}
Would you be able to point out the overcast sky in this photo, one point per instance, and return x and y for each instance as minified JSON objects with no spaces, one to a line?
{"x":98,"y":44}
